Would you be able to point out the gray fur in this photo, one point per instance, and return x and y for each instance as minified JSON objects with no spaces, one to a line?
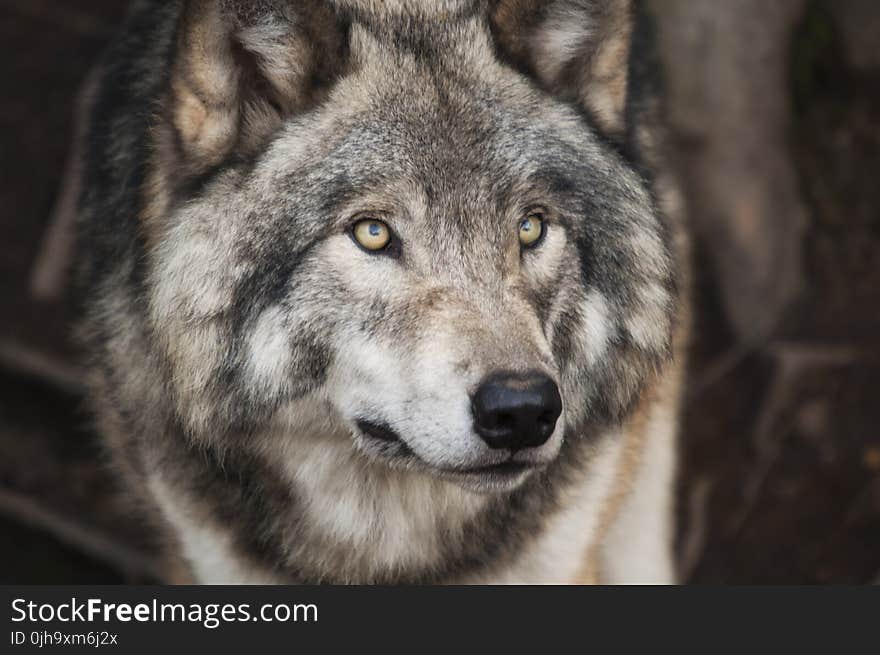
{"x":237,"y":335}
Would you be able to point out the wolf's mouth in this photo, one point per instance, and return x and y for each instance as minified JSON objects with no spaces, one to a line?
{"x":502,"y":477}
{"x":379,"y":432}
{"x":506,"y":468}
{"x":493,"y":475}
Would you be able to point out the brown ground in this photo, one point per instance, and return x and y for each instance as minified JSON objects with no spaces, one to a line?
{"x":781,"y":447}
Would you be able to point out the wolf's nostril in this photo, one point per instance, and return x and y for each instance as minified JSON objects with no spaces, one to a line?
{"x":515,"y":410}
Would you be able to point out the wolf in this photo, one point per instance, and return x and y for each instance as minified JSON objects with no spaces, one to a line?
{"x":387,"y":291}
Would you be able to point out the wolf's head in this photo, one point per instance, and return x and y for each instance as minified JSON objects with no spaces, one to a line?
{"x":408,"y":217}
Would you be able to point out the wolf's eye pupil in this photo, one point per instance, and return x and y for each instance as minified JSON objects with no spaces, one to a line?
{"x":531,"y":230}
{"x":372,"y":235}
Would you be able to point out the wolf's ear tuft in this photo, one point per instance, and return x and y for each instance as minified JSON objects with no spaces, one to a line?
{"x":577,"y":49}
{"x":241,"y":67}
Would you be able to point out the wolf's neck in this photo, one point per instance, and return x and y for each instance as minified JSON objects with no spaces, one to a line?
{"x":375,"y":518}
{"x":318,"y":511}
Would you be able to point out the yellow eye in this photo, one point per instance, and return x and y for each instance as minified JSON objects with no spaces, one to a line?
{"x":372,"y":235}
{"x":531,"y":229}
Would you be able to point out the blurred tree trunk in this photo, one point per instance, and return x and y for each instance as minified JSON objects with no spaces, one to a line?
{"x":774,"y":114}
{"x":726,"y":75}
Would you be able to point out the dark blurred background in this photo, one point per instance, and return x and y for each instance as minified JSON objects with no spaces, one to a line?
{"x":774,"y":110}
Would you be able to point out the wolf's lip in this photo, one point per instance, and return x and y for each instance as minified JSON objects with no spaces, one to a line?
{"x":378,"y":431}
{"x":502,"y":477}
{"x":506,"y":468}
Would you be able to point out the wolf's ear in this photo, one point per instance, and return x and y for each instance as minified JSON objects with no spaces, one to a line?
{"x":577,"y":49}
{"x":241,"y":67}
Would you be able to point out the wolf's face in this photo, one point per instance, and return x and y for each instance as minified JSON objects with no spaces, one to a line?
{"x":441,"y":259}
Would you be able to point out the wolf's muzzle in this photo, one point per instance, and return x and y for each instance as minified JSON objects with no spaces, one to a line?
{"x":515,"y":411}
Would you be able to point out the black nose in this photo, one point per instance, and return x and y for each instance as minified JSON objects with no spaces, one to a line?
{"x":516,"y":410}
